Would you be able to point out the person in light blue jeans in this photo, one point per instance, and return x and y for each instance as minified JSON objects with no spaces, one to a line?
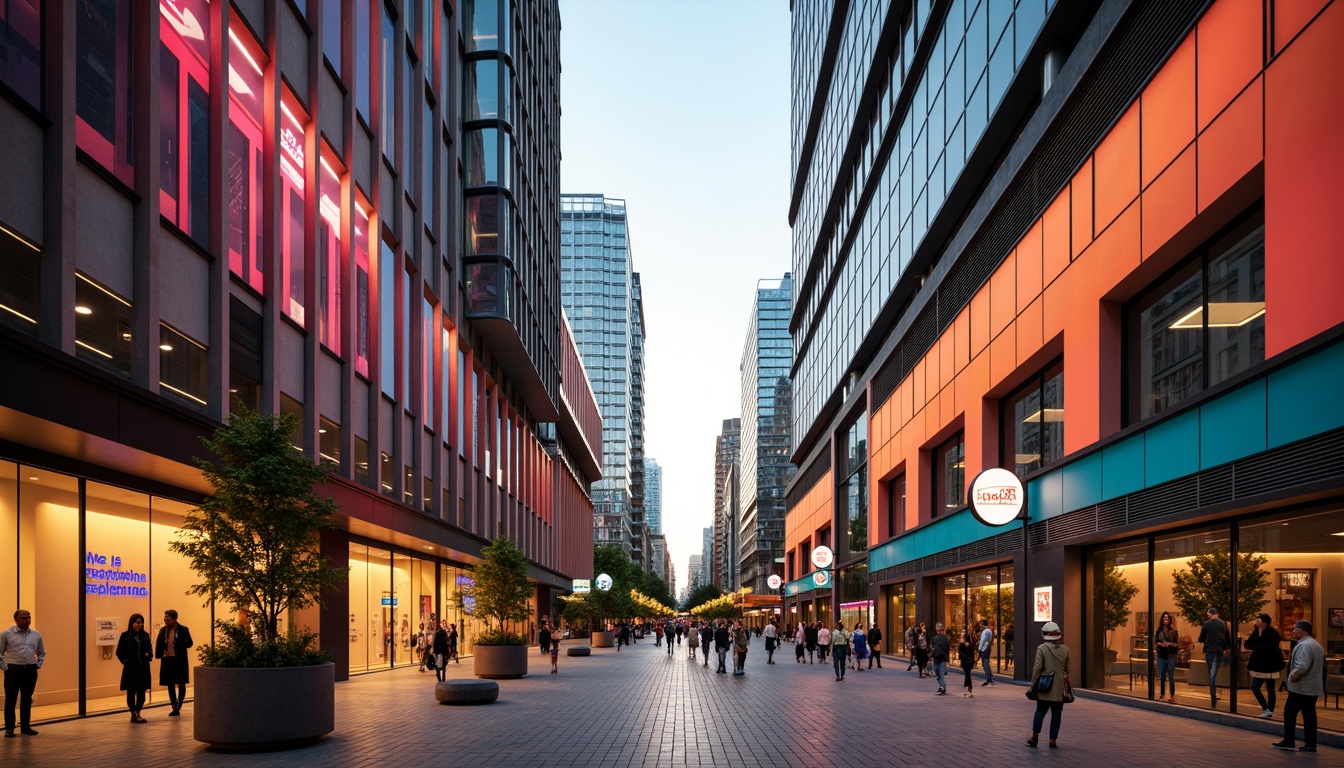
{"x":1214,"y":637}
{"x":942,"y":654}
{"x":1166,"y":641}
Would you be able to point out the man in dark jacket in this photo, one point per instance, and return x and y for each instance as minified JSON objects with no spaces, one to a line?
{"x":706,"y":638}
{"x":875,"y":646}
{"x":440,"y":648}
{"x":810,"y":637}
{"x":171,"y":646}
{"x":723,"y":642}
{"x":1214,"y":637}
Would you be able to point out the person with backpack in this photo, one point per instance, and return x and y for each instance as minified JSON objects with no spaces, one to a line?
{"x":741,"y":640}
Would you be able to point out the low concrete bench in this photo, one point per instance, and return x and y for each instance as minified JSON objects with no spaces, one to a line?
{"x":466,"y":691}
{"x":578,"y":650}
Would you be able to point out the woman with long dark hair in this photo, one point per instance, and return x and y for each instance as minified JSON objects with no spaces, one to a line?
{"x":135,"y":650}
{"x":1266,"y":662}
{"x":922,"y":648}
{"x":1167,"y":642}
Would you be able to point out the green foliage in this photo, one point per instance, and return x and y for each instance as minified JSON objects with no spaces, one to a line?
{"x":1209,"y":583}
{"x":577,"y":612}
{"x":701,"y":595}
{"x":254,"y":541}
{"x":1115,"y":593}
{"x":625,"y":576}
{"x":499,"y":591}
{"x":241,"y":646}
{"x":656,"y":588}
{"x":995,"y":605}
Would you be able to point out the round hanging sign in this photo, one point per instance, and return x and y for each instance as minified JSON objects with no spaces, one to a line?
{"x":996,"y":496}
{"x":775,"y":582}
{"x":821,"y":578}
{"x":822,"y":557}
{"x":603,"y":582}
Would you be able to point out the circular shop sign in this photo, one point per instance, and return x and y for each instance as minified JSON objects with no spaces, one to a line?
{"x":822,"y":557}
{"x":821,"y":578}
{"x":774,"y":582}
{"x":996,"y":496}
{"x":603,"y":582}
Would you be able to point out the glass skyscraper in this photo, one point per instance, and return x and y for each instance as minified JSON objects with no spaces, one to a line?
{"x":599,"y":293}
{"x":766,"y":433}
{"x":653,"y":496}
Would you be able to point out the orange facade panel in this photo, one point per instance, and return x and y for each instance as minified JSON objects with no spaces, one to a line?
{"x":1028,"y":262}
{"x":1232,"y":145}
{"x":1230,"y":54}
{"x":1117,"y":164}
{"x":1169,"y":204}
{"x":1002,"y":297}
{"x":1168,"y":111}
{"x":1056,"y":237}
{"x":1291,"y":16}
{"x":1080,"y":192}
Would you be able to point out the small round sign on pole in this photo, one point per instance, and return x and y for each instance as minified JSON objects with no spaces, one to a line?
{"x":774,"y":582}
{"x":822,"y":557}
{"x":821,"y":578}
{"x":996,"y":497}
{"x":603,"y":582}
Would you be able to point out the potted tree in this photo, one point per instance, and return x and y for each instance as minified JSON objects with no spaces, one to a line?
{"x":497,"y":593}
{"x":253,"y":543}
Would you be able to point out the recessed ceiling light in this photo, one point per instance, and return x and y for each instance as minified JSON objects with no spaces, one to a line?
{"x":166,"y":347}
{"x":83,"y":310}
{"x":126,"y":336}
{"x":321,"y":431}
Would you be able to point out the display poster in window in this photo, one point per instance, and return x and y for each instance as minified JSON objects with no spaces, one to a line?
{"x":1044,"y":603}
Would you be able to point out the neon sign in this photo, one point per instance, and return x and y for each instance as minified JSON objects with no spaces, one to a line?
{"x":105,"y":575}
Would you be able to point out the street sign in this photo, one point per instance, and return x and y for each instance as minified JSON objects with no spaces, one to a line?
{"x":775,"y":582}
{"x":603,"y":582}
{"x":996,"y":496}
{"x":822,"y":557}
{"x":583,"y":586}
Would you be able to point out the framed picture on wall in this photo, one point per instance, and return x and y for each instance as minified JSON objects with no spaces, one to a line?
{"x":1337,"y":618}
{"x":1141,"y":623}
{"x":1294,"y":598}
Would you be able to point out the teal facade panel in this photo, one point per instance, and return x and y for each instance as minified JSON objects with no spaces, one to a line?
{"x":1306,"y":398}
{"x":1122,"y":468}
{"x":1171,"y":449}
{"x":1045,"y":496}
{"x":1081,"y":481}
{"x":1233,"y":426}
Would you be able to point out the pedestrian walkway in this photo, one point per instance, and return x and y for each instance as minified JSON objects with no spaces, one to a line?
{"x":644,"y":707}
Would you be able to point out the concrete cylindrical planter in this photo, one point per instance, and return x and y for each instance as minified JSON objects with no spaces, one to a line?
{"x":603,"y":640}
{"x":500,"y":661}
{"x":249,"y":709}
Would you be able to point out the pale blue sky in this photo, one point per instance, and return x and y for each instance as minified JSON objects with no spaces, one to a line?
{"x":682,"y":109}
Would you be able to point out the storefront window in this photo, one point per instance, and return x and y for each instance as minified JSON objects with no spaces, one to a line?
{"x":244,"y":160}
{"x":21,"y":49}
{"x":952,"y":606}
{"x":50,"y":589}
{"x":103,"y":114}
{"x":9,"y":530}
{"x":405,"y":604}
{"x":900,"y":603}
{"x":1118,"y":646}
{"x":117,"y":563}
{"x":184,"y":115}
{"x":293,"y":173}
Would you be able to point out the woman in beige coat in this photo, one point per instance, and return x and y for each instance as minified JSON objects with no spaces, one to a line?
{"x":1052,"y":656}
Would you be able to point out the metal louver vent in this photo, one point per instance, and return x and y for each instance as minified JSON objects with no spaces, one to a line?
{"x":1310,"y":460}
{"x":1215,"y":485}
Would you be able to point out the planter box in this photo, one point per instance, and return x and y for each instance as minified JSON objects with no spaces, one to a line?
{"x":603,"y":640}
{"x":255,"y":709}
{"x":500,"y":661}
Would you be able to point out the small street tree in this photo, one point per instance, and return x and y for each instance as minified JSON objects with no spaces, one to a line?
{"x":498,"y":592}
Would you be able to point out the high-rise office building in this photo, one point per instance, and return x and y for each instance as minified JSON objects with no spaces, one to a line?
{"x":766,"y":434}
{"x":599,"y":291}
{"x":1092,"y":244}
{"x":653,"y":495}
{"x":707,"y":554}
{"x":727,"y":449}
{"x":197,"y":218}
{"x":694,"y":576}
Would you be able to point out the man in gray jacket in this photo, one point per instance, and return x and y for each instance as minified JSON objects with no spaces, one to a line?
{"x":1306,"y":683}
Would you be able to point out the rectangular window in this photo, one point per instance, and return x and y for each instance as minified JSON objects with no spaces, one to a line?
{"x":245,"y":353}
{"x":407,"y":343}
{"x":387,"y":320}
{"x":427,"y":339}
{"x":243,"y":164}
{"x":476,"y":418}
{"x":182,"y":374}
{"x":446,"y":382}
{"x":184,"y":116}
{"x":949,"y":476}
{"x":461,"y":398}
{"x":363,"y":18}
{"x":328,"y":444}
{"x":332,"y":28}
{"x":408,"y":120}
{"x":103,"y":114}
{"x":1201,"y":325}
{"x":896,"y":506}
{"x":363,"y":243}
{"x":329,"y":228}
{"x":385,"y":473}
{"x":20,"y":269}
{"x":293,"y":407}
{"x":102,"y":327}
{"x":387,"y":95}
{"x":427,"y":144}
{"x":21,"y":49}
{"x":293,"y":172}
{"x":361,"y":461}
{"x":1032,"y":422}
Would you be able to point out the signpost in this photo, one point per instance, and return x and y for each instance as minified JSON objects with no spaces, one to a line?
{"x":603,"y":582}
{"x":998,"y":498}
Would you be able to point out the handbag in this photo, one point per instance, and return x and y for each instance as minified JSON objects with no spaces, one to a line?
{"x":1068,"y":691}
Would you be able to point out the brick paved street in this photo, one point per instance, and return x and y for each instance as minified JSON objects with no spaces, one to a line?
{"x":643,"y":707}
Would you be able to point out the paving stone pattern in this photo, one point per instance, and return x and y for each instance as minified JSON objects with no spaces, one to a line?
{"x":640,"y":706}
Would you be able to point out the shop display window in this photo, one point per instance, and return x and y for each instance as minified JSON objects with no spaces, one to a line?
{"x":331,"y":225}
{"x":20,"y":270}
{"x":47,"y":542}
{"x":293,"y":174}
{"x":21,"y":49}
{"x":182,"y":368}
{"x":243,"y":161}
{"x":103,"y":322}
{"x":184,"y":116}
{"x":103,"y":114}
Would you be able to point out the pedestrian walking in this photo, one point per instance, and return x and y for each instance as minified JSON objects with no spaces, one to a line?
{"x":922,"y":649}
{"x":175,"y":666}
{"x":135,"y":650}
{"x":823,"y":642}
{"x":911,"y":638}
{"x":546,"y":642}
{"x":986,"y":643}
{"x":741,"y":640}
{"x":422,"y":646}
{"x":453,"y":643}
{"x":723,"y":641}
{"x":812,"y":635}
{"x":692,"y":642}
{"x":680,"y":629}
{"x":706,"y":639}
{"x":966,"y":654}
{"x":658,"y":634}
{"x":441,"y":653}
{"x":1052,"y":658}
{"x":1306,"y":684}
{"x":1214,"y":637}
{"x":858,"y":640}
{"x":942,"y":654}
{"x":839,"y":645}
{"x":555,"y":651}
{"x":800,"y":644}
{"x":1167,"y":642}
{"x":1265,"y":663}
{"x":668,"y":631}
{"x":623,"y":637}
{"x":771,"y":641}
{"x":875,"y":647}
{"x":21,"y":655}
